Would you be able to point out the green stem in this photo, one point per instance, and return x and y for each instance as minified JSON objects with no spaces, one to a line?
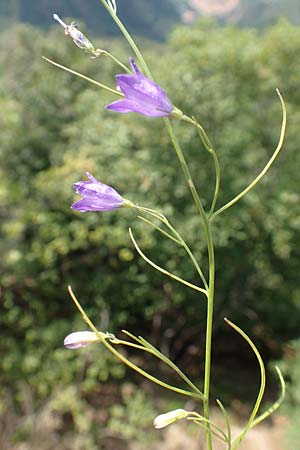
{"x":90,"y":80}
{"x":165,"y":233}
{"x":211,"y":289}
{"x":251,"y":421}
{"x":203,"y":421}
{"x":150,"y":348}
{"x":186,"y":171}
{"x":209,"y":323}
{"x":209,"y":147}
{"x":123,"y":359}
{"x":164,"y":271}
{"x":128,"y":38}
{"x":203,"y":217}
{"x":225,"y":414}
{"x":167,"y":121}
{"x":100,"y":52}
{"x":276,"y":405}
{"x":217,"y":185}
{"x":267,"y":166}
{"x":179,"y":239}
{"x":194,"y":261}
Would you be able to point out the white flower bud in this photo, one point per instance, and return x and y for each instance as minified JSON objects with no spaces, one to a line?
{"x":166,"y":419}
{"x":78,"y":38}
{"x":81,"y":339}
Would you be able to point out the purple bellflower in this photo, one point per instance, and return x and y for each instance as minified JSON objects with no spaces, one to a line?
{"x":142,"y":95}
{"x":97,"y":196}
{"x":80,"y":339}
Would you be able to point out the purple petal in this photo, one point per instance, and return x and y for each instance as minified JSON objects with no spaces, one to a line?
{"x":140,"y":89}
{"x":134,"y":67}
{"x":96,"y":188}
{"x":125,"y":106}
{"x":142,"y":95}
{"x":97,"y":196}
{"x":90,"y":176}
{"x":95,"y":204}
{"x":122,"y":106}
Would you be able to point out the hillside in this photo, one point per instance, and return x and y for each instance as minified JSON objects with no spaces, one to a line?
{"x":254,"y":13}
{"x":150,"y":18}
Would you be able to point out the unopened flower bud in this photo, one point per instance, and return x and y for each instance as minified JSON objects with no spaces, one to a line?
{"x":166,"y":419}
{"x":78,"y":37}
{"x":81,"y":339}
{"x":98,"y":196}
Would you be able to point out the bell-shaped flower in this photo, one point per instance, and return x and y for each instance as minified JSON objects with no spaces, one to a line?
{"x":170,"y":417}
{"x":80,"y":339}
{"x":97,"y":196}
{"x":142,"y":95}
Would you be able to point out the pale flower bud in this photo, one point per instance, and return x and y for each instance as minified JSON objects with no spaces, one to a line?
{"x":81,"y":339}
{"x":166,"y":419}
{"x":78,"y":38}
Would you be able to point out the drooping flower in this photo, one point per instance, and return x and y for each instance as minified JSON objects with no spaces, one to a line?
{"x":170,"y":417}
{"x":80,"y":339}
{"x":142,"y":95}
{"x":78,"y":37}
{"x":97,"y":196}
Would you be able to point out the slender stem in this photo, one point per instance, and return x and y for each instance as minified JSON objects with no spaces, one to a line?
{"x":202,"y":421}
{"x":217,"y":185}
{"x":276,"y":405}
{"x":90,"y":80}
{"x":100,"y":52}
{"x":167,"y":121}
{"x":209,"y":147}
{"x":186,"y":171}
{"x":165,"y":233}
{"x":164,"y":271}
{"x":203,"y":217}
{"x":209,"y":323}
{"x":163,"y":358}
{"x":189,"y":252}
{"x":211,"y":289}
{"x":225,"y":414}
{"x":267,"y":166}
{"x":128,"y":38}
{"x":249,"y":425}
{"x":153,"y":213}
{"x":179,"y":241}
{"x":113,"y":5}
{"x":153,"y":351}
{"x":123,"y":358}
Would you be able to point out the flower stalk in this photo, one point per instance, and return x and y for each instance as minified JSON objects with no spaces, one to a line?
{"x":140,"y":94}
{"x":267,"y":166}
{"x":84,"y":77}
{"x":103,"y":339}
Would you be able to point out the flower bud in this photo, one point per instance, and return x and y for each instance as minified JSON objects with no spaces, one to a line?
{"x":81,"y":339}
{"x":78,"y":38}
{"x":98,"y":196}
{"x":166,"y":419}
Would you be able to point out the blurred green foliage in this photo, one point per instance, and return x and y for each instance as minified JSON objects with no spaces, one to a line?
{"x":290,"y":366}
{"x":54,"y":128}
